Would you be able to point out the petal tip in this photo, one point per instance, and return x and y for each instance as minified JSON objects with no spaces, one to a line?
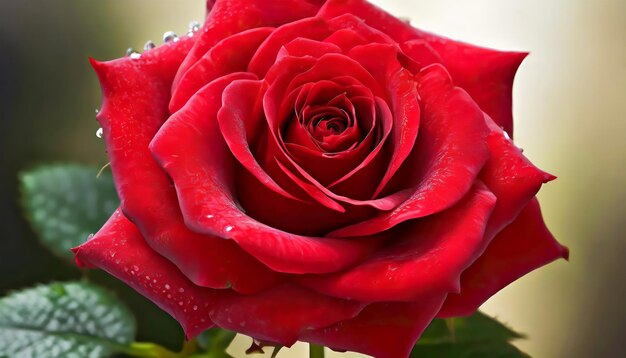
{"x":564,"y":252}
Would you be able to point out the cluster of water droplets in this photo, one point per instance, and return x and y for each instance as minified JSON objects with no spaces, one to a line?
{"x":168,"y":37}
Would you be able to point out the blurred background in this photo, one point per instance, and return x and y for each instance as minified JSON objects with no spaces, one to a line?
{"x":570,"y":99}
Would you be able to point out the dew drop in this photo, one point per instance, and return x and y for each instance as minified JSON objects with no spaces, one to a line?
{"x":135,"y":56}
{"x":194,"y":26}
{"x":209,"y":216}
{"x":130,"y":51}
{"x":135,"y":268}
{"x":195,"y":308}
{"x":149,"y":46}
{"x":229,"y":228}
{"x":181,"y":303}
{"x":167,"y":287}
{"x":181,"y":290}
{"x":100,"y":133}
{"x":506,"y":135}
{"x":97,"y":111}
{"x":170,"y":36}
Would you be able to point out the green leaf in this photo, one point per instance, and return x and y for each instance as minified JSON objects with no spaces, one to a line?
{"x":74,"y":319}
{"x":214,"y":343}
{"x":67,"y":203}
{"x":476,"y":336}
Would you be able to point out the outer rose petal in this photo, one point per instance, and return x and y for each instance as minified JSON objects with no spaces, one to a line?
{"x":425,"y":259}
{"x":487,"y":75}
{"x":281,"y":314}
{"x":511,"y":177}
{"x":382,"y":330}
{"x":135,"y":96}
{"x":449,"y":153}
{"x":522,"y":247}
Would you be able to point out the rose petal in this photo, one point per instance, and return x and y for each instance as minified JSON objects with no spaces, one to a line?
{"x":382,"y":62}
{"x":135,"y":96}
{"x":438,"y":248}
{"x":382,"y":330}
{"x":281,"y":314}
{"x":232,"y":54}
{"x":449,"y":154}
{"x":216,"y":213}
{"x":520,"y":248}
{"x":303,"y":218}
{"x":511,"y":177}
{"x":324,"y":68}
{"x":312,"y":28}
{"x":119,"y":249}
{"x":228,"y":17}
{"x":301,"y":47}
{"x":486,"y":74}
{"x":238,"y":120}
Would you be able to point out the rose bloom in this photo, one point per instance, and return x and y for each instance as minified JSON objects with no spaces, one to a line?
{"x":318,"y":171}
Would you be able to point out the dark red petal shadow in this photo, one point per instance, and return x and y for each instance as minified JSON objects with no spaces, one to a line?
{"x":135,"y":97}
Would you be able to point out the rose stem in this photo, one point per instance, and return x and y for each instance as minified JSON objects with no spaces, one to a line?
{"x":316,"y":351}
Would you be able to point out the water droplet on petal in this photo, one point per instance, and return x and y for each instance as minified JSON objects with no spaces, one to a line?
{"x":130,"y":51}
{"x":97,"y":111}
{"x":195,"y":308}
{"x":170,"y":36}
{"x":194,"y":26}
{"x":100,"y":133}
{"x":180,"y":303}
{"x":135,"y":56}
{"x":229,"y":228}
{"x":167,"y":287}
{"x":181,"y":290}
{"x":506,"y":135}
{"x":209,"y":216}
{"x":149,"y":46}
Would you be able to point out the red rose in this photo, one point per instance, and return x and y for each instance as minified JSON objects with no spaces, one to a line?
{"x":318,"y":171}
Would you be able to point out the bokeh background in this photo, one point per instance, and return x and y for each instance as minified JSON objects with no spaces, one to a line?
{"x":570,"y":105}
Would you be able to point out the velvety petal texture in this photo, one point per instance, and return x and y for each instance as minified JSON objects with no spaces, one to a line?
{"x":319,"y":171}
